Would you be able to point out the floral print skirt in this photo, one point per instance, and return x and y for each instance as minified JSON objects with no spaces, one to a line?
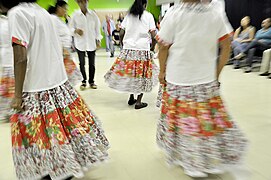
{"x":56,"y":135}
{"x":74,"y":74}
{"x":7,"y":89}
{"x":195,"y":130}
{"x":133,"y":71}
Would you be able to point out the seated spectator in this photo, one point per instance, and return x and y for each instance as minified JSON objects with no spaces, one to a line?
{"x":116,"y":35}
{"x":261,"y":42}
{"x":266,"y":66}
{"x":241,"y":39}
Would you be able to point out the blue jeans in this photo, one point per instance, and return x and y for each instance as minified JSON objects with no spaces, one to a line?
{"x":251,"y":49}
{"x":237,"y":49}
{"x":109,"y":44}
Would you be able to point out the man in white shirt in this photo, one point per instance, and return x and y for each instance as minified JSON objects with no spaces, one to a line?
{"x":108,"y":28}
{"x":85,"y":25}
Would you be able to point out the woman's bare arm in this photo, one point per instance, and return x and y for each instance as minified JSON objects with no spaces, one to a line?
{"x":20,"y":64}
{"x":163,"y":55}
{"x":225,"y":49}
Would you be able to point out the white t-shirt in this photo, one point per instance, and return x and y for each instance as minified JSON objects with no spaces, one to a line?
{"x":194,"y":32}
{"x":6,"y":51}
{"x":91,"y":26}
{"x":63,"y":31}
{"x":32,"y":26}
{"x":137,"y":31}
{"x":219,"y":6}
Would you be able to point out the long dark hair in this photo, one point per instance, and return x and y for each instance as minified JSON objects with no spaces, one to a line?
{"x":138,"y":8}
{"x":52,"y":9}
{"x":12,"y":3}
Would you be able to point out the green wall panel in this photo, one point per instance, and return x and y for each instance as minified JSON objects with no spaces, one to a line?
{"x":93,"y":4}
{"x":104,"y":4}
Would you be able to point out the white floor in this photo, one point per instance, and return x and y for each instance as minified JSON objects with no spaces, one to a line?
{"x":134,"y":154}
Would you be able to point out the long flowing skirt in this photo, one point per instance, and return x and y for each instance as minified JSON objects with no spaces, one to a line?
{"x":195,"y":130}
{"x":133,"y":71}
{"x":74,"y":74}
{"x":7,"y":88}
{"x":56,"y":134}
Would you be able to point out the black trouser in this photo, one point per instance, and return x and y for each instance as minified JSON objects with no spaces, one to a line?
{"x":251,"y":49}
{"x":91,"y":64}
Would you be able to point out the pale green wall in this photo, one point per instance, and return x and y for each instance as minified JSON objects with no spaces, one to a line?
{"x":104,"y":4}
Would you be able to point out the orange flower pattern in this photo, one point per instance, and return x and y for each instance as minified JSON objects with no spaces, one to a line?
{"x":57,"y":118}
{"x":7,"y":89}
{"x":133,"y":71}
{"x":74,"y":74}
{"x":195,"y":129}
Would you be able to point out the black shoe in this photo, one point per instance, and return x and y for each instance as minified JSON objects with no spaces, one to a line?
{"x":83,"y":86}
{"x":46,"y":178}
{"x":236,"y":67}
{"x":112,"y":55}
{"x":140,"y":106}
{"x":248,"y":70}
{"x":131,"y":102}
{"x":265,"y":74}
{"x":93,"y":86}
{"x":69,"y":178}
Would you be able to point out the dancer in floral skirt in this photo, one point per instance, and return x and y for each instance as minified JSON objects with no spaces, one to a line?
{"x":134,"y":70}
{"x":53,"y":132}
{"x":6,"y":68}
{"x":59,"y":11}
{"x":195,"y":129}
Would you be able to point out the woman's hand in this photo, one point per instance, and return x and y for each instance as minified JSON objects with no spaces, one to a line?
{"x":16,"y":104}
{"x":80,"y":32}
{"x":98,"y":44}
{"x":162,"y":77}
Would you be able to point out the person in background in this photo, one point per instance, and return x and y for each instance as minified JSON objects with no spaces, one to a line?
{"x":116,"y":35}
{"x":59,"y":11}
{"x":194,"y":128}
{"x":85,"y":26}
{"x":54,"y":134}
{"x":266,"y":64}
{"x":261,"y":42}
{"x":108,"y":28}
{"x":7,"y":82}
{"x":134,"y":70}
{"x":241,"y":39}
{"x":112,"y":17}
{"x":121,"y":17}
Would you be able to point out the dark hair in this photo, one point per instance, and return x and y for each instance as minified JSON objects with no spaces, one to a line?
{"x":52,"y":9}
{"x":12,"y":3}
{"x":137,"y":8}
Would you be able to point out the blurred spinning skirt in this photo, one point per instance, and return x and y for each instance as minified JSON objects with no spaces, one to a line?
{"x":74,"y":74}
{"x":133,"y":71}
{"x":7,"y":88}
{"x":195,"y":130}
{"x":56,"y":134}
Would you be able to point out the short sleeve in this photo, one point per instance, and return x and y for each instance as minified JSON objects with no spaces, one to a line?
{"x":166,"y":34}
{"x":152,"y":26}
{"x":224,"y":28}
{"x":20,"y":28}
